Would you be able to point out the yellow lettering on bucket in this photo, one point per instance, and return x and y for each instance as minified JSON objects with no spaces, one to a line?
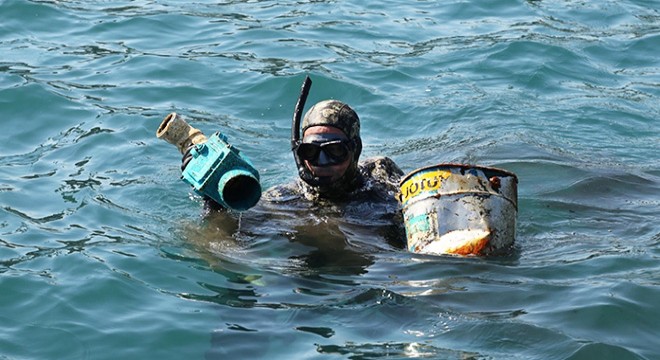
{"x":425,"y":182}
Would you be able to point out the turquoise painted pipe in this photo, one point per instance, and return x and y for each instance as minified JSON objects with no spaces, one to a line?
{"x":216,"y":169}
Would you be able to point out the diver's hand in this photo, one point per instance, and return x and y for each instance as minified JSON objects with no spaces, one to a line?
{"x":211,"y":205}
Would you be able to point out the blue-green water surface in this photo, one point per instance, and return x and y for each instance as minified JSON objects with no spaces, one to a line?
{"x":104,"y":253}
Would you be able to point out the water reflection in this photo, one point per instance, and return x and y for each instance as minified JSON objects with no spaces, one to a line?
{"x":301,"y":243}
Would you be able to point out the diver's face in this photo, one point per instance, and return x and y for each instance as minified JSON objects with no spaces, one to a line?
{"x":332,"y":156}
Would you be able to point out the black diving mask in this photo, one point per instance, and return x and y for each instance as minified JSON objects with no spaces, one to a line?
{"x":324,"y":149}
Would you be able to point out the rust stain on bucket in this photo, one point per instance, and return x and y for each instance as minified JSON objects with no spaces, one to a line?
{"x":459,"y":209}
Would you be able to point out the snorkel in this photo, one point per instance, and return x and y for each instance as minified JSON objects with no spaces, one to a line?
{"x":303,"y":172}
{"x":297,"y":112}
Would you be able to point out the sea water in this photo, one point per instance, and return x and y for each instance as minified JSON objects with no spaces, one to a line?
{"x":104,"y":253}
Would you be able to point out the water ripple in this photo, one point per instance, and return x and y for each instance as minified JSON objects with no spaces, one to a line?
{"x":102,"y":247}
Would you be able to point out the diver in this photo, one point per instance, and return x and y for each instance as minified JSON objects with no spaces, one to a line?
{"x":330,"y":174}
{"x":327,"y":157}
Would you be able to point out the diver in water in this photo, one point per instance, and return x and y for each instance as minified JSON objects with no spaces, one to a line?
{"x":331,"y":177}
{"x":327,"y":158}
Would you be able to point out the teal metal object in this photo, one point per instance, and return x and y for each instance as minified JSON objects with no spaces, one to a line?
{"x":219,"y":170}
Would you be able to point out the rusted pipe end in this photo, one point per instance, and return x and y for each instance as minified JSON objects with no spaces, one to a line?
{"x":179,"y":133}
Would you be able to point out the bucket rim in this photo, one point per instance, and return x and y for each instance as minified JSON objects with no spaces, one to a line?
{"x":456,"y":165}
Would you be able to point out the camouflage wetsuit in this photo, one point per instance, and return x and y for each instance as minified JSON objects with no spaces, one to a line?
{"x":376,"y":177}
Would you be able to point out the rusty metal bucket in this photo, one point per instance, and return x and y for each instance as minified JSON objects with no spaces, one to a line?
{"x":459,"y":209}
